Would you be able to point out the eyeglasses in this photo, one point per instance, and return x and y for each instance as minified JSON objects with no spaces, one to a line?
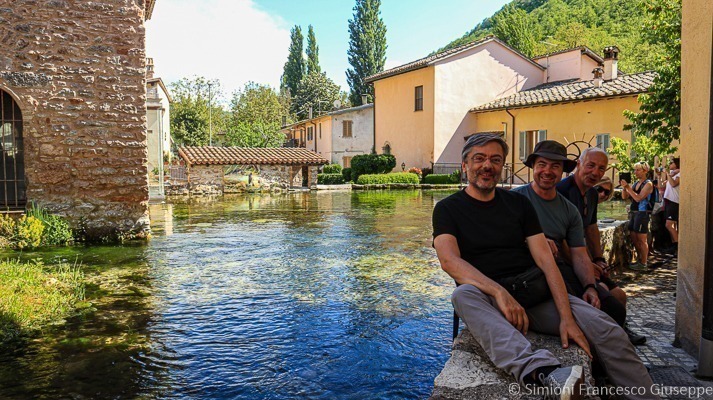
{"x":603,"y":190}
{"x":479,"y":159}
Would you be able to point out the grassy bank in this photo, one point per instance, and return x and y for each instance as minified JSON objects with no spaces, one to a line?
{"x":33,"y":295}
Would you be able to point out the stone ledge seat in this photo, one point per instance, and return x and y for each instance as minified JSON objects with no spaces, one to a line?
{"x":469,"y":373}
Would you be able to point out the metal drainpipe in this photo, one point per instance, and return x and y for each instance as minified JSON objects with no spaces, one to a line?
{"x":512,"y":149}
{"x":705,"y":352}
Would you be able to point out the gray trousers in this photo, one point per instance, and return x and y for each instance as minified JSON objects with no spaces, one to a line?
{"x":509,"y":350}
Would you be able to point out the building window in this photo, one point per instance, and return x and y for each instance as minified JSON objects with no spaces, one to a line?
{"x":528,"y":139}
{"x":603,"y":141}
{"x":419,"y":99}
{"x":310,"y":133}
{"x":347,"y":129}
{"x":347,"y":161}
{"x":386,"y":149}
{"x":12,"y":180}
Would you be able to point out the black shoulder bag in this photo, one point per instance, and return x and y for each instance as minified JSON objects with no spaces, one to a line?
{"x":529,"y":288}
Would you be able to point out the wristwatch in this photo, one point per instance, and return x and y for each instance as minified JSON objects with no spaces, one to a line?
{"x":590,"y":285}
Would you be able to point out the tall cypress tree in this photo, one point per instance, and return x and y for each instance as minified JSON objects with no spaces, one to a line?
{"x":367,"y":47}
{"x":294,"y":69}
{"x":312,"y":52}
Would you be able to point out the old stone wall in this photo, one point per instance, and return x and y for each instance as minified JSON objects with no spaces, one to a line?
{"x":205,"y":179}
{"x":77,"y":71}
{"x":219,"y":179}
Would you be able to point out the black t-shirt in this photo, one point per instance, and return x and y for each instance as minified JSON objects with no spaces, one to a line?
{"x":586,"y":205}
{"x":491,"y":235}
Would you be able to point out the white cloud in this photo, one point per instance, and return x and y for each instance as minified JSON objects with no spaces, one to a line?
{"x":229,"y":40}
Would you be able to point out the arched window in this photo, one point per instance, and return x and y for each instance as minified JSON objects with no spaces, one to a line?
{"x":12,"y":171}
{"x":386,"y":149}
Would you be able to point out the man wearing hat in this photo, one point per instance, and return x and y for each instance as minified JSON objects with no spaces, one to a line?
{"x":561,"y":222}
{"x":485,"y":237}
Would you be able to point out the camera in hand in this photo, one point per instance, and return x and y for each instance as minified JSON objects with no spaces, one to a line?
{"x":626,"y":176}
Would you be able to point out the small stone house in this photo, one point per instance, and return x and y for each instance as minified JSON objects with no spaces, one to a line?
{"x":217,"y":170}
{"x":73,"y":101}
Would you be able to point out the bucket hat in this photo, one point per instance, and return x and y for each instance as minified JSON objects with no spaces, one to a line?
{"x":551,"y":150}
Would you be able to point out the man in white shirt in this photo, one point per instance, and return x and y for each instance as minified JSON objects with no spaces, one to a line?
{"x":671,"y":200}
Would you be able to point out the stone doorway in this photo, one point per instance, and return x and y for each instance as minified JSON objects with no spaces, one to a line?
{"x":12,"y":169}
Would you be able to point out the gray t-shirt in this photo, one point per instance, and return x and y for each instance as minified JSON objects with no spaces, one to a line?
{"x":558,"y":217}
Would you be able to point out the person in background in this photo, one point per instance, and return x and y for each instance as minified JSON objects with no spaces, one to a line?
{"x":639,"y":215}
{"x":605,"y":189}
{"x":671,"y":200}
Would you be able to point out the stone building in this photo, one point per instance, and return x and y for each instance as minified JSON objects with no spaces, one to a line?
{"x":219,"y":170}
{"x":73,"y":87}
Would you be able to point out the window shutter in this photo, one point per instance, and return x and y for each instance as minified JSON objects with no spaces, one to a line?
{"x":523,"y":145}
{"x":541,"y":135}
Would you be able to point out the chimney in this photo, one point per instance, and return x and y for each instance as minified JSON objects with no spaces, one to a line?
{"x":611,"y":57}
{"x":598,"y":73}
{"x":364,"y":99}
{"x":149,"y":68}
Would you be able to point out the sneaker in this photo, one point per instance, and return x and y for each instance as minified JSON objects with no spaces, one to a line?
{"x":637,"y":266}
{"x":634,"y":338}
{"x":564,"y":383}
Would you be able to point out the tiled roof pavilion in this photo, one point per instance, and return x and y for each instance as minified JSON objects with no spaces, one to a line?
{"x":572,"y":90}
{"x":205,"y":155}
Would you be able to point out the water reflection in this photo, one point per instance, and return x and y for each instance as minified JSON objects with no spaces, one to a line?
{"x":317,"y":295}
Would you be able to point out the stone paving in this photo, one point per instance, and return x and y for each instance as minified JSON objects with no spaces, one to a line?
{"x":651,"y":312}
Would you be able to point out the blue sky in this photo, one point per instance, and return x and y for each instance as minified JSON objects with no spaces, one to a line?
{"x":237,"y":41}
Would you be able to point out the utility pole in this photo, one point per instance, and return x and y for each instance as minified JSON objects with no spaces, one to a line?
{"x":210,"y":115}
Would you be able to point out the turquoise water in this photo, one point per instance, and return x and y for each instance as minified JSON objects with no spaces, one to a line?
{"x":309,"y":295}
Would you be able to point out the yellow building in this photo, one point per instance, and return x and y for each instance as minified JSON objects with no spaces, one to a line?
{"x":424,"y":110}
{"x":573,"y":112}
{"x":421,"y":108}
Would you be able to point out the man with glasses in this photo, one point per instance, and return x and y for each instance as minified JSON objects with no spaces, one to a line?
{"x":485,"y":236}
{"x":578,"y":188}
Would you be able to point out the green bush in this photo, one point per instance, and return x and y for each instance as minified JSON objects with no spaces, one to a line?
{"x":330,"y":179}
{"x":437,"y":179}
{"x":28,"y":233}
{"x":372,"y":164}
{"x":347,"y":174}
{"x":455,"y":176}
{"x":7,"y":226}
{"x":442,"y":179}
{"x":332,"y":169}
{"x":56,"y":229}
{"x":396,"y":177}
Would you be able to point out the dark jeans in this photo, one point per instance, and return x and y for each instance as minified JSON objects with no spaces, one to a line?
{"x":609,"y":304}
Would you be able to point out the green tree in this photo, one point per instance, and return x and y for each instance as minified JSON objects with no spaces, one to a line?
{"x":317,"y":91}
{"x":256,"y":113}
{"x":367,"y":47}
{"x":312,"y":52}
{"x":257,"y":134}
{"x":660,"y":109}
{"x":516,"y":28}
{"x":195,"y":109}
{"x":294,"y":69}
{"x":644,"y":148}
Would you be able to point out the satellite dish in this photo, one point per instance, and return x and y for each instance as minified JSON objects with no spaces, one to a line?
{"x":337,"y":103}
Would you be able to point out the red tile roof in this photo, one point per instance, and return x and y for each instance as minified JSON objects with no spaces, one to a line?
{"x":572,"y":90}
{"x":205,"y":155}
